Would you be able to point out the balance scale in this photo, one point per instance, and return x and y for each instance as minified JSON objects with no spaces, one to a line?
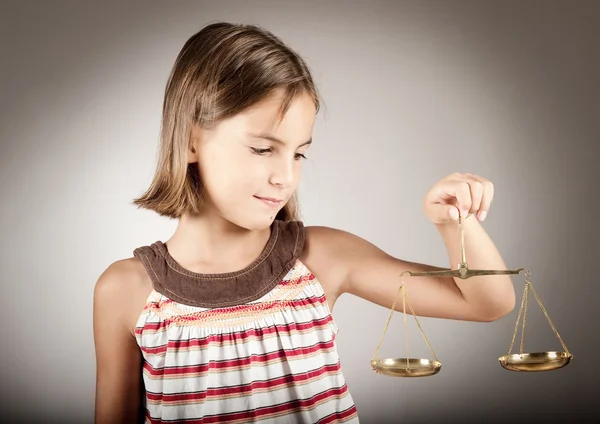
{"x":525,"y":362}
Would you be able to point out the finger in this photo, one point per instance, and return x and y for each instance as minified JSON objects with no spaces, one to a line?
{"x":486,"y":197}
{"x":486,"y":201}
{"x":476,"y":188}
{"x":461,"y":191}
{"x":451,"y":211}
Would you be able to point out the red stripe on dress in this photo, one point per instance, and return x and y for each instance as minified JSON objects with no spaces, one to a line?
{"x":251,"y":308}
{"x":223,"y":312}
{"x":235,"y":364}
{"x":339,"y":416}
{"x":299,"y":280}
{"x":238,"y":336}
{"x":272,"y":383}
{"x":289,"y":407}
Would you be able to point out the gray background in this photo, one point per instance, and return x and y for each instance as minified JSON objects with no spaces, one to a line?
{"x":413,"y":90}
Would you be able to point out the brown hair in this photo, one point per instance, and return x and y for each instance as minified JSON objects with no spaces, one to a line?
{"x":222,"y":70}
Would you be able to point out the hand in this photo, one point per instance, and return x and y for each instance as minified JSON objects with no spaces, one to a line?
{"x":458,"y":193}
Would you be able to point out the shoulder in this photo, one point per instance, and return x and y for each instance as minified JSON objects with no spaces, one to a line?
{"x":334,"y":242}
{"x":327,"y":241}
{"x":122,"y":276}
{"x":334,"y":253}
{"x":123,"y":288}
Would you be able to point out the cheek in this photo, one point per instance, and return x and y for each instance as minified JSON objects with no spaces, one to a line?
{"x":227,"y":176}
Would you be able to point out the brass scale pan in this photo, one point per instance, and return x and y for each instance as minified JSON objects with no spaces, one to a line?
{"x":526,"y":362}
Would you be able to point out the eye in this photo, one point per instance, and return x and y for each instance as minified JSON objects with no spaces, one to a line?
{"x":259,"y":151}
{"x":299,"y":156}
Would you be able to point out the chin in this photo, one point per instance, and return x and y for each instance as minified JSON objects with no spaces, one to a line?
{"x":257,"y":222}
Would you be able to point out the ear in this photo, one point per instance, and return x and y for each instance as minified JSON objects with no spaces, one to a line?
{"x":192,"y":150}
{"x":192,"y":153}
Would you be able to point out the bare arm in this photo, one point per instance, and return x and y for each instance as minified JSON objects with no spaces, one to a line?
{"x":366,"y":271}
{"x":118,"y":357}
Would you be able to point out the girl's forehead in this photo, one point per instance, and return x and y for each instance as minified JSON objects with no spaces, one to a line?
{"x":263,"y":122}
{"x":267,"y":118}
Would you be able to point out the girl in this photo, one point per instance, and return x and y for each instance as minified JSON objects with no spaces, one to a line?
{"x":230,"y":319}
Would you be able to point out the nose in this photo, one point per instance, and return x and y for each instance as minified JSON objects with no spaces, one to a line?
{"x":283,"y":172}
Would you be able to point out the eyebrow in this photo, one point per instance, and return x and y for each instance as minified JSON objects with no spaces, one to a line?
{"x":275,"y":139}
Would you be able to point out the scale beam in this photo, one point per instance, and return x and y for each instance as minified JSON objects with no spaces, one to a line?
{"x":463,"y":272}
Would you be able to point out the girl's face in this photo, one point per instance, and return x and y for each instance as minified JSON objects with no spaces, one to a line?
{"x":250,"y":164}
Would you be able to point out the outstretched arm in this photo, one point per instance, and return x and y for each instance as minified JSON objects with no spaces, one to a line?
{"x":367,"y":272}
{"x":371,"y":274}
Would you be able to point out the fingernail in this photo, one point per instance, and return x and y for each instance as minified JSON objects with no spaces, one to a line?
{"x":482,"y":215}
{"x":464,"y":214}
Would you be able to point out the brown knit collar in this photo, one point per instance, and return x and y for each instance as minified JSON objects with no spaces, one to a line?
{"x":283,"y":248}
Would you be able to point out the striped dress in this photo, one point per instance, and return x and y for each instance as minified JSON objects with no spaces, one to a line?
{"x":256,"y":345}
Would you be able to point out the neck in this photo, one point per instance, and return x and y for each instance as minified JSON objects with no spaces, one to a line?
{"x":211,"y":245}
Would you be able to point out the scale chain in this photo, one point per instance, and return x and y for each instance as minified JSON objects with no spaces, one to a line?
{"x":523,"y":309}
{"x":405,"y":324}
{"x":405,"y":302}
{"x":524,"y":319}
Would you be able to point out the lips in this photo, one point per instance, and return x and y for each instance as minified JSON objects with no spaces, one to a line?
{"x":270,"y":201}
